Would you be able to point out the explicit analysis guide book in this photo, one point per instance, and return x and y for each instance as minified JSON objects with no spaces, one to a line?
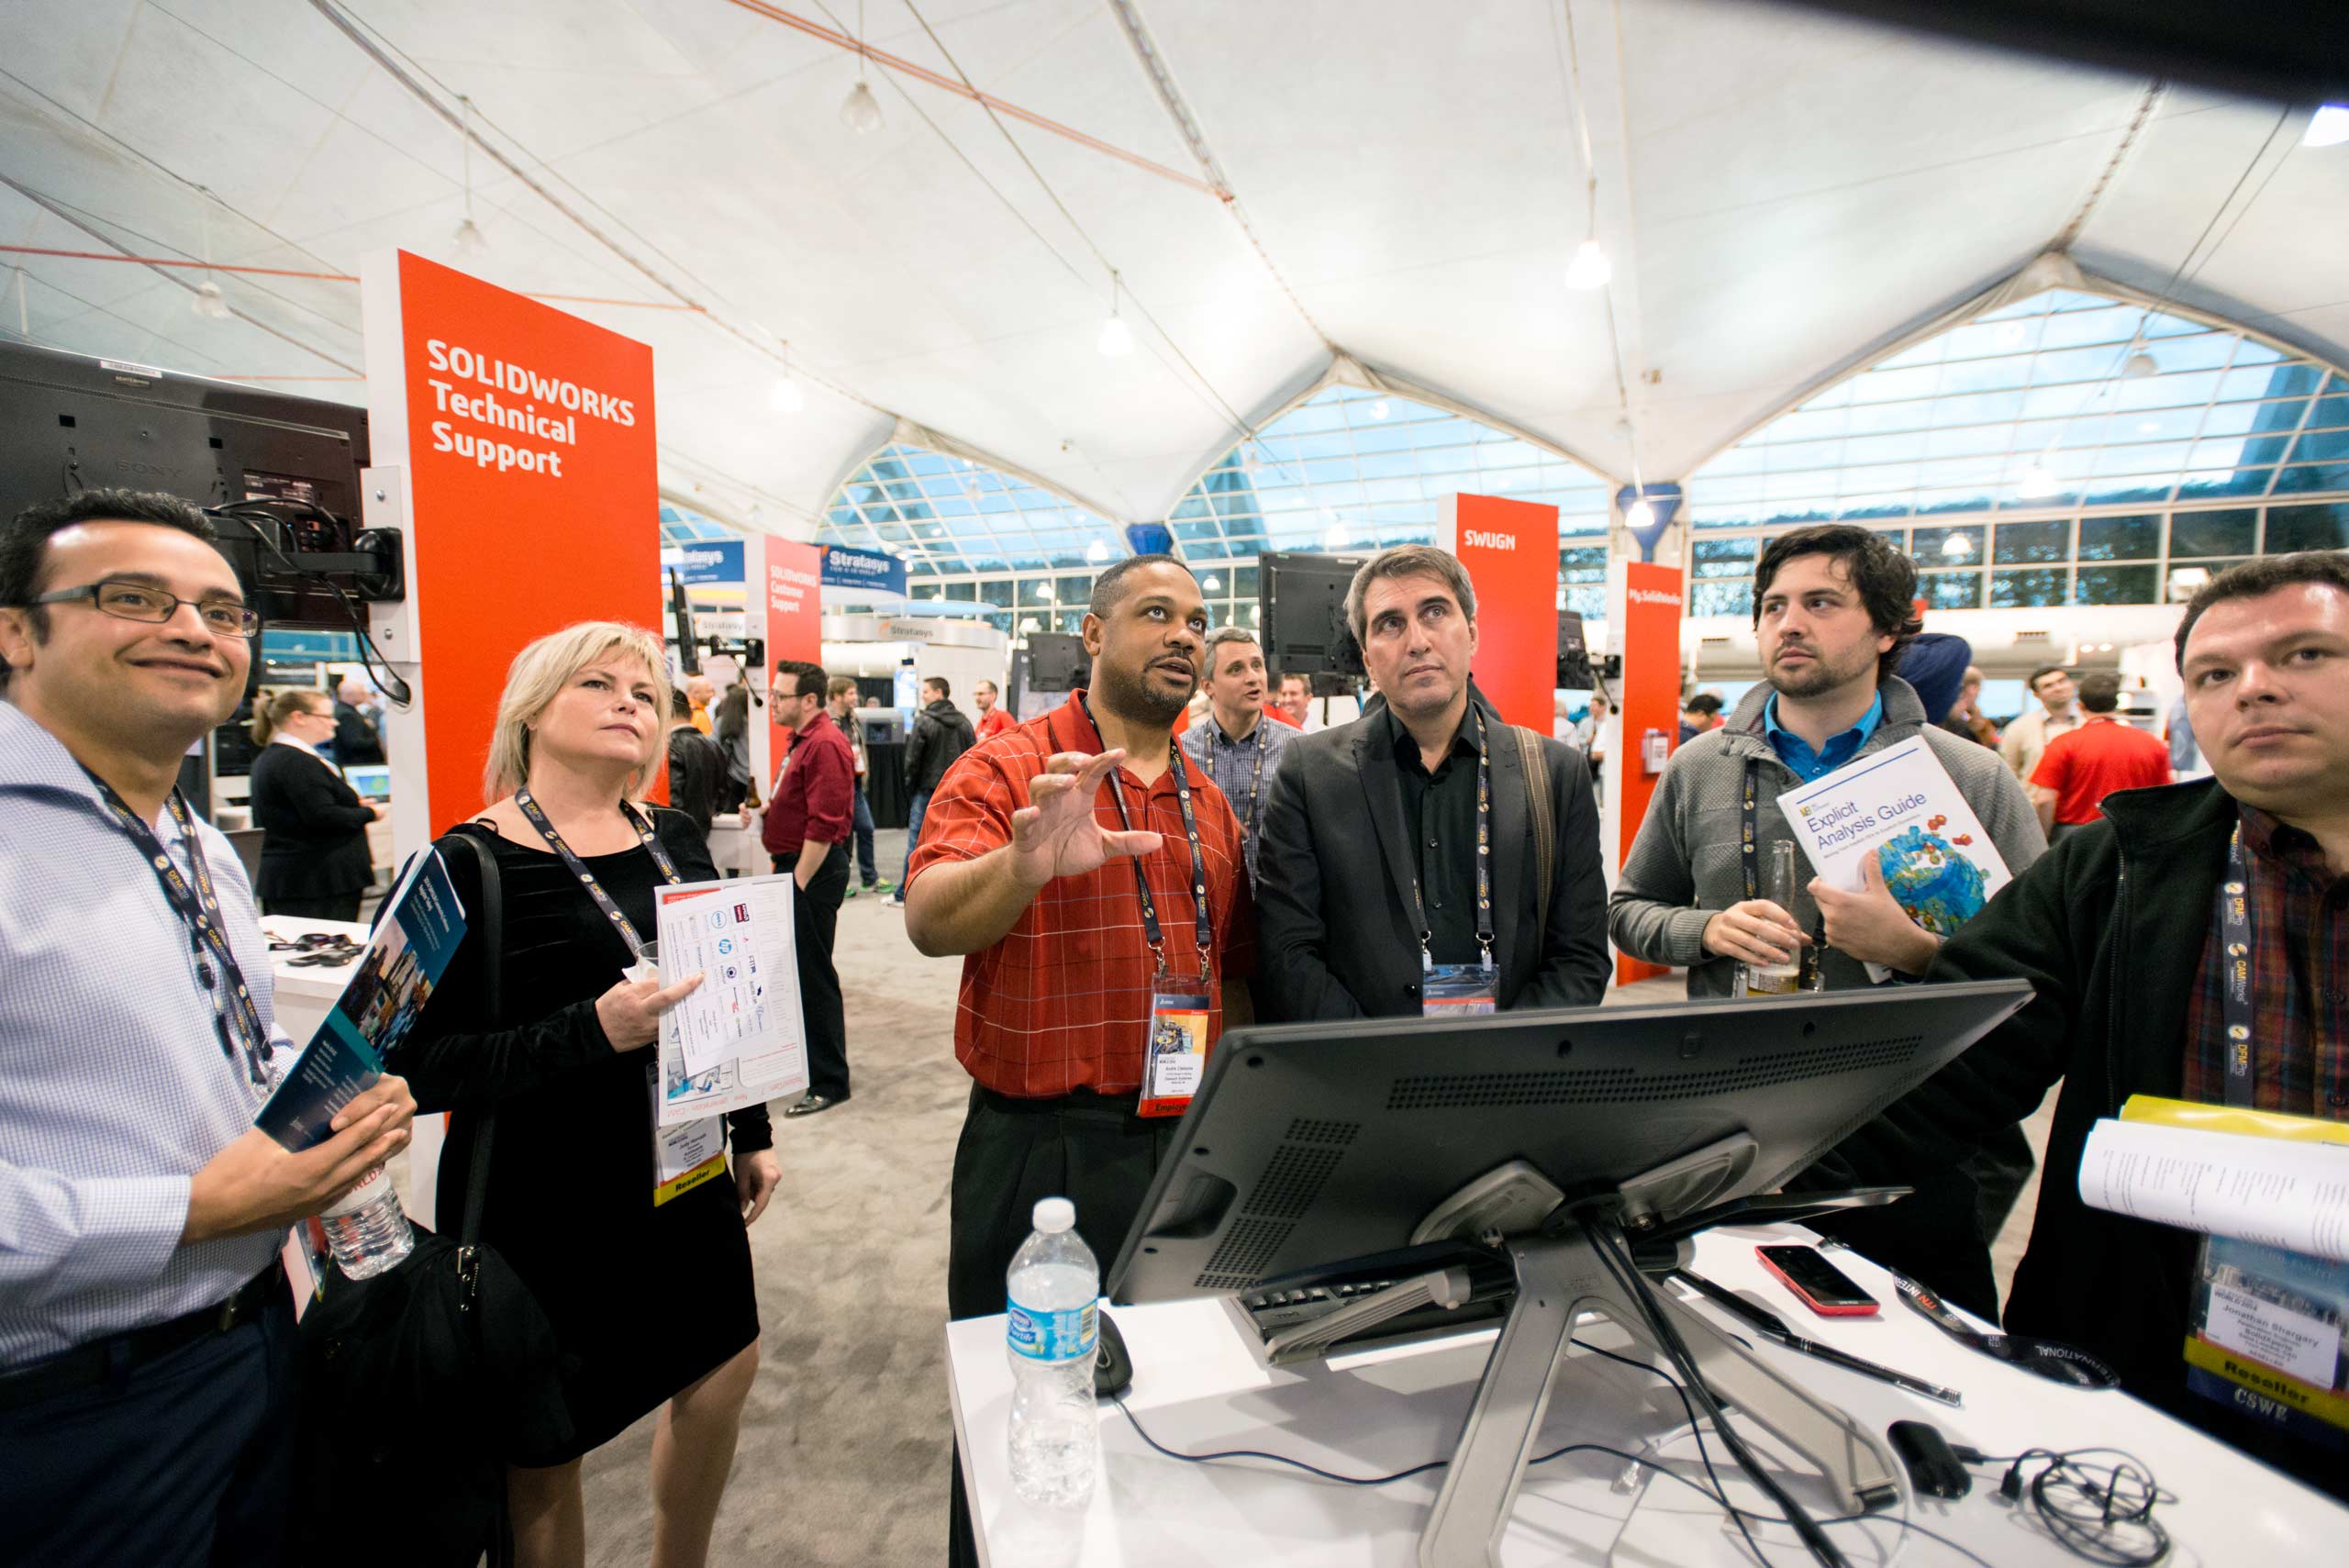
{"x":1900,"y":806}
{"x":393,"y":979}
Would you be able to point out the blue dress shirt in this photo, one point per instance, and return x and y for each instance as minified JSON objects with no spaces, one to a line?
{"x":1807,"y":764}
{"x":113,"y":1087}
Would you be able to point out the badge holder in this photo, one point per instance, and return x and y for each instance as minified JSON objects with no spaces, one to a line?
{"x":683,"y":1157}
{"x":1174,"y":1057}
{"x":1458,"y":990}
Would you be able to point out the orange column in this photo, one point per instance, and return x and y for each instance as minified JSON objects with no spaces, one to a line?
{"x":1644,"y":616}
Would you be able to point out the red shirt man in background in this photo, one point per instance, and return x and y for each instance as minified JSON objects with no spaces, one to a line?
{"x":2081,"y":766}
{"x":806,"y":829}
{"x":993,"y":720}
{"x":1293,"y":701}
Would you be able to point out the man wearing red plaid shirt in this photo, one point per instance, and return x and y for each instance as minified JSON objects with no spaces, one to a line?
{"x":1030,"y":862}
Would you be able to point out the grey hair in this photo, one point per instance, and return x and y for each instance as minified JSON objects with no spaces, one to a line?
{"x":1408,"y":560}
{"x":1224,"y":634}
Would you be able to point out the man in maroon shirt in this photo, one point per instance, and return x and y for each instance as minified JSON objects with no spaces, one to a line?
{"x":806,"y":828}
{"x":2081,"y":766}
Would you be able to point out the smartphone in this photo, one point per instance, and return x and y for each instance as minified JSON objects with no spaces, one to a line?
{"x":1819,"y":1284}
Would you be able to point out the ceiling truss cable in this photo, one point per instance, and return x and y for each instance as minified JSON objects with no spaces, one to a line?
{"x":359,"y":36}
{"x":64,"y":214}
{"x":2148,"y":104}
{"x":1162,"y":77}
{"x":1239,"y":424}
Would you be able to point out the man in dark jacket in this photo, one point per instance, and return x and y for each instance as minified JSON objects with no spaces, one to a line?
{"x":1376,"y":837}
{"x":941,"y":733}
{"x":358,"y":743}
{"x":2121,"y":932}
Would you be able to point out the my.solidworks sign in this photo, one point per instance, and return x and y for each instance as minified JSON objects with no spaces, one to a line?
{"x":868,"y":568}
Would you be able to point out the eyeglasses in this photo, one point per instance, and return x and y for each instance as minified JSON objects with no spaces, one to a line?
{"x":139,"y":602}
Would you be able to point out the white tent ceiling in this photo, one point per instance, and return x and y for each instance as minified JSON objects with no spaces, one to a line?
{"x":1780,"y":194}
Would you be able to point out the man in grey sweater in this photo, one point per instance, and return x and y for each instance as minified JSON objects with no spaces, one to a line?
{"x":1831,"y":616}
{"x":1832,"y":619}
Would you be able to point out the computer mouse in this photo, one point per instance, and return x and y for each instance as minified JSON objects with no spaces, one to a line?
{"x":1113,"y":1368}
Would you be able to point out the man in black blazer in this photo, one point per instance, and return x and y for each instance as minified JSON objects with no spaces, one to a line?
{"x":1367,"y":885}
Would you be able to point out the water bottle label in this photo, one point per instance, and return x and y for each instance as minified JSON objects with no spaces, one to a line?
{"x":1052,"y":1336}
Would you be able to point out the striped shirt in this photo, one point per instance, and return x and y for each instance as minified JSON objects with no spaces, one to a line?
{"x":113,"y":1087}
{"x":2300,"y":981}
{"x":1233,"y":765}
{"x":1063,"y":1001}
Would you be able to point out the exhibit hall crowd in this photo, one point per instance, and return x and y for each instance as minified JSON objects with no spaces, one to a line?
{"x":1079,"y":861}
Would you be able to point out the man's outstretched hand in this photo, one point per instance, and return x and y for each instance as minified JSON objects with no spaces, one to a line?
{"x":1056,"y":835}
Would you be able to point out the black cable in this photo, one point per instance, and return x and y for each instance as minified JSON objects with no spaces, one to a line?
{"x":1710,"y":1493}
{"x":370,"y":656}
{"x":1626,"y":1274}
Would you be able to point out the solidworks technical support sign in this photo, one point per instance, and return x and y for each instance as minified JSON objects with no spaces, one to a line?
{"x":479,"y":422}
{"x":528,"y":437}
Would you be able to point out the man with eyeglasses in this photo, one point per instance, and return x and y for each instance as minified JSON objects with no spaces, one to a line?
{"x":146,"y":1351}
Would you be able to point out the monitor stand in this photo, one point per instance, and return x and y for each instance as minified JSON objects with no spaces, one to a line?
{"x":1560,"y":1279}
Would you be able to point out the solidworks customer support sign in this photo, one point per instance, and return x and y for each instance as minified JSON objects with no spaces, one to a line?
{"x":525,"y":436}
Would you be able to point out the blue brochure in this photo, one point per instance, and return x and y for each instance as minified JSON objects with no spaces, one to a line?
{"x":412,"y":945}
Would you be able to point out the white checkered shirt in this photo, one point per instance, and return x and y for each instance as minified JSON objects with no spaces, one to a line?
{"x":113,"y":1086}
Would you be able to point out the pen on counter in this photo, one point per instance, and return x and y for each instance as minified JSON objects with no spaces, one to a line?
{"x":1770,"y":1326}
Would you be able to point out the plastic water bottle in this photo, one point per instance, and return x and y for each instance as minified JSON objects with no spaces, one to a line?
{"x":368,"y":1229}
{"x":1051,"y":1333}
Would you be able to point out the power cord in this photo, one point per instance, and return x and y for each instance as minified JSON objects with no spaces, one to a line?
{"x":371,"y":658}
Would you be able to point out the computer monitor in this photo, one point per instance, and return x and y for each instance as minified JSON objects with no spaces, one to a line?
{"x":1577,"y":1149}
{"x":372,"y":782}
{"x":1301,"y":614}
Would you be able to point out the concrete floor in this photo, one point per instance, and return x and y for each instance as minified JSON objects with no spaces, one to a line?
{"x":843,"y":1454}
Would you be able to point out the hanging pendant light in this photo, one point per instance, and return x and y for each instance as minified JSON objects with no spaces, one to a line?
{"x":209,"y":302}
{"x":1590,"y":269}
{"x":785,"y":396}
{"x":469,"y":240}
{"x":1116,"y":338}
{"x":861,"y":111}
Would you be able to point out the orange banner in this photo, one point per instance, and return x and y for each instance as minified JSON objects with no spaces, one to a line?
{"x":533,"y":482}
{"x":1510,"y":548}
{"x":794,"y":575}
{"x":1650,"y":704}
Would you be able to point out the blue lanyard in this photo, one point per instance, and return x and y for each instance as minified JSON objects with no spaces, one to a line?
{"x":2234,"y":983}
{"x":198,"y":907}
{"x":612,"y":912}
{"x":1204,"y":928}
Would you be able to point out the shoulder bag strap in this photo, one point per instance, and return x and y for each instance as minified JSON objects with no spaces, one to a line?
{"x":1545,"y":828}
{"x":491,"y":927}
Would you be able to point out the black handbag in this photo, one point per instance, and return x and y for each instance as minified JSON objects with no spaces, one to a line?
{"x":420,"y":1385}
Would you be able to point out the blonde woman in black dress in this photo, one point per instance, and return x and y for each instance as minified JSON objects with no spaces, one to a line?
{"x":654,"y":1301}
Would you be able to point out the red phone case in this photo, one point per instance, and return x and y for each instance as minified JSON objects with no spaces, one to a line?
{"x":1824,"y":1308}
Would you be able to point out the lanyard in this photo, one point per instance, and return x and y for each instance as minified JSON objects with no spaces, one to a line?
{"x":1256,"y":776}
{"x":2235,"y":982}
{"x":1809,"y":960}
{"x":1204,"y":929}
{"x":620,"y":922}
{"x":199,"y":909}
{"x":1484,"y":859}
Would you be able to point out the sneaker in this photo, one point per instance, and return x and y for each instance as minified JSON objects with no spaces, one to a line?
{"x":851,"y":891}
{"x":896,"y":901}
{"x":881,"y":886}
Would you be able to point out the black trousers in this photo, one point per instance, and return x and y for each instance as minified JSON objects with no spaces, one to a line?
{"x":818,"y":910}
{"x":182,"y":1462}
{"x":1090,"y":1149}
{"x":333,"y":906}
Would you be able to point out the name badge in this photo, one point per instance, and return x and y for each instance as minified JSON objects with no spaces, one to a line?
{"x":683,"y":1157}
{"x":1458,"y":990}
{"x":1174,"y":1053}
